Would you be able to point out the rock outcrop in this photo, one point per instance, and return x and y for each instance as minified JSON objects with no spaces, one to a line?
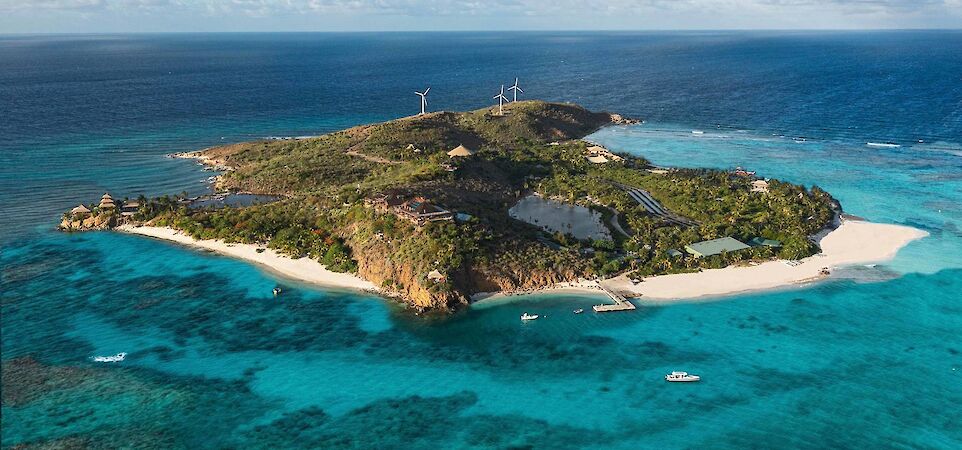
{"x":88,"y":222}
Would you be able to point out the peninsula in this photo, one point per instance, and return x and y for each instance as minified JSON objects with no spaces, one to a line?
{"x":436,"y":208}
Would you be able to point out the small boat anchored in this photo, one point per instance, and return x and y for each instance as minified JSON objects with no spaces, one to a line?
{"x":110,"y":359}
{"x":526,"y":317}
{"x":578,"y":311}
{"x":677,"y":377}
{"x":276,"y":291}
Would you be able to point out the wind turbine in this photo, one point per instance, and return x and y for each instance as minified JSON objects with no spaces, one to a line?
{"x":516,"y":89}
{"x":501,"y":99}
{"x":424,"y":99}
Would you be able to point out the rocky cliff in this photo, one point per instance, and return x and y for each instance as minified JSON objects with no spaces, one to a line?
{"x":88,"y":223}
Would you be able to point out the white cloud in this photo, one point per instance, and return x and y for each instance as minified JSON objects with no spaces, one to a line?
{"x":517,"y":13}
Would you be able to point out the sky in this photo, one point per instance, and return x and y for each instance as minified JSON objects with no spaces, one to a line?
{"x":110,"y":16}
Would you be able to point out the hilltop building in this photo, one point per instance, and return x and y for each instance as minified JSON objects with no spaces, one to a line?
{"x":420,"y":211}
{"x":460,"y":152}
{"x":384,"y":202}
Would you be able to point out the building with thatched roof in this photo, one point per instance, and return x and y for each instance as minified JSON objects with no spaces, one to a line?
{"x":80,"y":210}
{"x":107,"y":202}
{"x":460,"y":151}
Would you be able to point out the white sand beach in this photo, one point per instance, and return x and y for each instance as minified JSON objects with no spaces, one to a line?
{"x":853,"y":242}
{"x":577,"y":287}
{"x":304,"y":269}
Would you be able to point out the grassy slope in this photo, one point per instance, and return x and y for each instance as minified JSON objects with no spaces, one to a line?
{"x":326,"y":178}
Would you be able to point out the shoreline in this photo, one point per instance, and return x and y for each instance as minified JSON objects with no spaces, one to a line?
{"x":853,"y":242}
{"x":302,"y":269}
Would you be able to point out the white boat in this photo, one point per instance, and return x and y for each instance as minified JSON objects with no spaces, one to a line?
{"x":276,"y":291}
{"x":882,"y":145}
{"x":697,"y":132}
{"x":681,"y":377}
{"x":110,"y":359}
{"x":526,"y":317}
{"x":579,"y":311}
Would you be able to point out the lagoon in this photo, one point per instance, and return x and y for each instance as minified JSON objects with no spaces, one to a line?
{"x":554,"y":216}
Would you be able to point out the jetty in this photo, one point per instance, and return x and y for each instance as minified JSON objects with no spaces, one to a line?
{"x":621,"y":303}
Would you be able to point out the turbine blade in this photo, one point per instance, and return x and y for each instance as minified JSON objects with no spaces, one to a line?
{"x":426,"y":91}
{"x":519,"y":90}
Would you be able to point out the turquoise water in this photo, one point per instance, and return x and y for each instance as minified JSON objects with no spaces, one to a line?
{"x":211,"y":349}
{"x":869,"y":359}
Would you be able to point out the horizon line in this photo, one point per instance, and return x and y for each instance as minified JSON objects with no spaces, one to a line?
{"x":520,"y":30}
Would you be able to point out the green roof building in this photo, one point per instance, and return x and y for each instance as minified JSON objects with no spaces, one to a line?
{"x":759,"y":241}
{"x":715,"y":246}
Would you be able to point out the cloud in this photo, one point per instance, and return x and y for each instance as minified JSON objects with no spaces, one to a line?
{"x":521,"y":13}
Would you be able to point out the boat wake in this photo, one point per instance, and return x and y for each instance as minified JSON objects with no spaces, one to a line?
{"x":110,"y":359}
{"x":882,"y":145}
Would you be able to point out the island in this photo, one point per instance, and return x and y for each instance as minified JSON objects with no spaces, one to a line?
{"x":441,"y":208}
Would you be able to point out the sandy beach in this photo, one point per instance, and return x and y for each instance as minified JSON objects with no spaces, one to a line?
{"x":580,"y":287}
{"x":853,"y":242}
{"x":304,"y":269}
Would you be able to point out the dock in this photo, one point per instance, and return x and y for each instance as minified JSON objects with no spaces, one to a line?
{"x":621,"y":303}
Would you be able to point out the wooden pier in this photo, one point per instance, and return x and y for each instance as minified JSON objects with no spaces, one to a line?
{"x":621,"y":303}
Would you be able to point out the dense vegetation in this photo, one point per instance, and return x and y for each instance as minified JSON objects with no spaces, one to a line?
{"x":325,"y":180}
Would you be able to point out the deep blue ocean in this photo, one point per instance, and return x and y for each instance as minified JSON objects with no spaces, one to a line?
{"x":871,"y":358}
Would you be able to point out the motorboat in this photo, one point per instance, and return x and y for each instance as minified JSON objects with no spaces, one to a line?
{"x":882,"y":145}
{"x":681,"y":377}
{"x":578,"y":311}
{"x":110,"y":359}
{"x":526,"y":317}
{"x":697,"y":132}
{"x":276,"y":291}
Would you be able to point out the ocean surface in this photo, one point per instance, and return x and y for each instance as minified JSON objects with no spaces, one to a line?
{"x":869,"y":359}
